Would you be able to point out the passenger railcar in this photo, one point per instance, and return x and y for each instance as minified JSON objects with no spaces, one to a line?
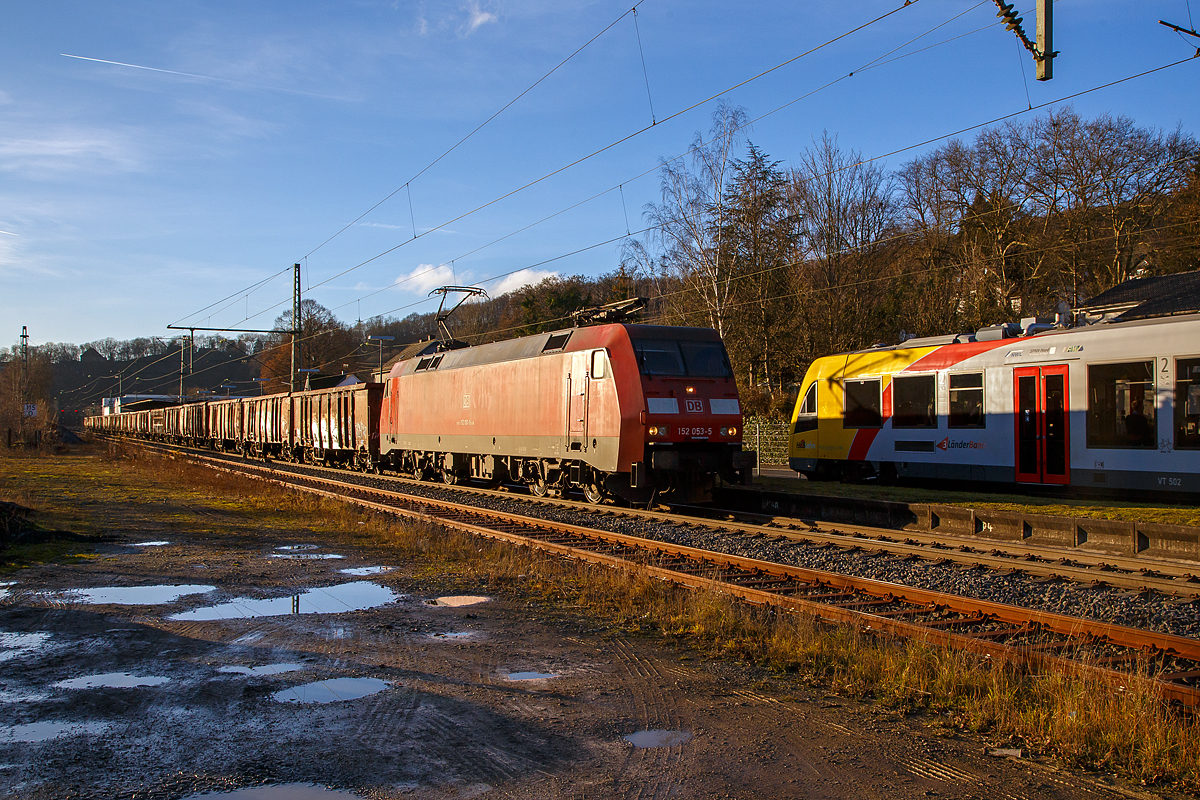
{"x":625,"y":410}
{"x":1113,"y":405}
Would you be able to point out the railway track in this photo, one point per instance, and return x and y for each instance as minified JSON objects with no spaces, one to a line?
{"x":1179,"y":580}
{"x":1116,"y":654}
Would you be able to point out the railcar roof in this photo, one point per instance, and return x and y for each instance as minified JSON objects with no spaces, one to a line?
{"x":963,"y":338}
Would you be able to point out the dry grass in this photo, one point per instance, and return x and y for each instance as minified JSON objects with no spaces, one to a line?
{"x":1066,"y":717}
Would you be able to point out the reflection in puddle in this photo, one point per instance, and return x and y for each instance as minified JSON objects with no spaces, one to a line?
{"x":148,"y":544}
{"x":136,"y":595}
{"x":306,"y":556}
{"x":111,"y":680}
{"x":4,"y":589}
{"x":530,"y":676}
{"x":354,"y":596}
{"x":266,"y":669}
{"x":9,"y":696}
{"x":334,"y":690}
{"x":43,"y":731}
{"x":15,"y":645}
{"x":292,"y":548}
{"x":457,"y":600}
{"x":459,"y":635}
{"x":363,"y":571}
{"x":657,"y":738}
{"x":289,"y":791}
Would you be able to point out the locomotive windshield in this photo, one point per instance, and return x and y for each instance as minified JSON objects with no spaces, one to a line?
{"x":682,"y":358}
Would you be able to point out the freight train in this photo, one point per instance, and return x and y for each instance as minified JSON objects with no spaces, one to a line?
{"x":618,"y":410}
{"x":1114,"y":405}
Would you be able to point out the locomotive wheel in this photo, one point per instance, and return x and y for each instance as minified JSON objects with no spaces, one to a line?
{"x":538,"y":487}
{"x":449,"y":478}
{"x":593,"y":494}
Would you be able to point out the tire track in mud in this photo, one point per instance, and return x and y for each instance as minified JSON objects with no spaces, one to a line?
{"x":650,"y":773}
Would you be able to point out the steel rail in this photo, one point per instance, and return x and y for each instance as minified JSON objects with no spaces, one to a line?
{"x":897,"y":608}
{"x":1040,"y":563}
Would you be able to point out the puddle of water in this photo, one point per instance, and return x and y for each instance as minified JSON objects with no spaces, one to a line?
{"x":4,"y":589}
{"x":334,"y":690}
{"x":292,"y":548}
{"x":111,"y":680}
{"x":460,"y":635}
{"x":657,"y":738}
{"x":265,"y":669}
{"x":288,"y":791}
{"x":15,"y":645}
{"x":307,"y":556}
{"x":531,"y":676}
{"x":149,"y":544}
{"x":44,"y":731}
{"x":457,"y":600}
{"x":136,"y":595}
{"x":364,"y":571}
{"x":354,"y":596}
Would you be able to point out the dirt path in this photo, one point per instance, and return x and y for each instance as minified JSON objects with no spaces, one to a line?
{"x":445,"y":717}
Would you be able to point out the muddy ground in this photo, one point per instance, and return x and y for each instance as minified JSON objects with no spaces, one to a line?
{"x":234,"y":702}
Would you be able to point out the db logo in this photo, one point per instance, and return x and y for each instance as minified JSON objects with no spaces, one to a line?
{"x":696,"y":406}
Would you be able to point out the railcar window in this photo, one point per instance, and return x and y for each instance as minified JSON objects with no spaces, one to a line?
{"x":659,"y":357}
{"x":1187,"y":403}
{"x":863,"y":406}
{"x":556,"y":342}
{"x":598,"y":364}
{"x":1121,"y":405}
{"x":423,"y":364}
{"x":705,"y":360}
{"x":914,"y":401}
{"x":966,"y":401}
{"x":806,"y":417}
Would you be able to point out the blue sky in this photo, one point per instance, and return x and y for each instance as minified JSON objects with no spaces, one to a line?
{"x":241,"y":136}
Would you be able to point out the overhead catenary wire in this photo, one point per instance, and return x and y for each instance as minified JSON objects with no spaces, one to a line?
{"x":597,"y":152}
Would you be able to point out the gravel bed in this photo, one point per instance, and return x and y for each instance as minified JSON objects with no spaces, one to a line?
{"x":1117,"y":606}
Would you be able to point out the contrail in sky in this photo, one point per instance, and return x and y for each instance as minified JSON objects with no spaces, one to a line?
{"x":202,"y":77}
{"x":10,"y":233}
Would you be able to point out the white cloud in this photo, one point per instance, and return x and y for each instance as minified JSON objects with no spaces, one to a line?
{"x":67,"y":150}
{"x":379,"y":225}
{"x":426,"y":277}
{"x":525,"y":277}
{"x":477,"y":17}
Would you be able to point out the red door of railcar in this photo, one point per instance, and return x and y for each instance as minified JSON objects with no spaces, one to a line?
{"x":1043,"y":443}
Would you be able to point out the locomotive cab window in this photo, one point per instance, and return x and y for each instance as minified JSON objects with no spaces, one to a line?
{"x":1187,"y":404}
{"x":863,"y":406}
{"x":914,"y":401}
{"x":682,"y":358}
{"x":599,"y":364}
{"x":1120,"y":411}
{"x":806,"y":417}
{"x":966,"y":400}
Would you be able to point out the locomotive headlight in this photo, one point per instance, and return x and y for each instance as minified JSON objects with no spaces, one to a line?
{"x":729,"y":431}
{"x":657,"y":430}
{"x":691,"y":390}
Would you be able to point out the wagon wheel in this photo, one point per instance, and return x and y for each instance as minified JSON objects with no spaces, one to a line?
{"x":593,"y":494}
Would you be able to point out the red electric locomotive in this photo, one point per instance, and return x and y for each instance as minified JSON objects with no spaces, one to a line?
{"x":624,"y":410}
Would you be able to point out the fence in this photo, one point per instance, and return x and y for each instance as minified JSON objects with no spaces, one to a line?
{"x":770,"y":439}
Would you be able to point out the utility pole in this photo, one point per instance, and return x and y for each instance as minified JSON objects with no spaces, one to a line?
{"x":1045,"y":39}
{"x":296,"y":327}
{"x":24,"y":387}
{"x":1043,"y":50}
